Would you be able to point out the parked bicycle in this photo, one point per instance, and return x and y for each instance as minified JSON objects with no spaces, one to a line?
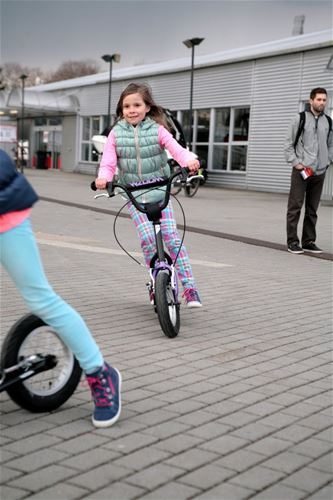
{"x":37,"y":370}
{"x":163,"y":284}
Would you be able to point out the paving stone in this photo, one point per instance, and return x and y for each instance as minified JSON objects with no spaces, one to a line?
{"x":42,"y":478}
{"x":179,"y":443}
{"x":90,"y":459}
{"x":313,"y":447}
{"x":240,"y":460}
{"x":279,"y":492}
{"x":60,"y":491}
{"x":32,"y":443}
{"x":117,"y":490}
{"x":224,"y":444}
{"x":154,"y":476}
{"x":171,"y":490}
{"x":191,"y":459}
{"x":226,"y":491}
{"x":308,"y":480}
{"x":324,"y":463}
{"x":325,"y":493}
{"x":206,"y":477}
{"x":99,"y":477}
{"x":257,"y":478}
{"x":13,"y":493}
{"x":287,"y":462}
{"x":37,"y":460}
{"x":269,"y":446}
{"x":141,"y":459}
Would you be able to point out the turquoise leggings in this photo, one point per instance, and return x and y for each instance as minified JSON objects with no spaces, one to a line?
{"x":19,"y":255}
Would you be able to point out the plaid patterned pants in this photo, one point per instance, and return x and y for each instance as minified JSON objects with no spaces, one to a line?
{"x":171,"y":239}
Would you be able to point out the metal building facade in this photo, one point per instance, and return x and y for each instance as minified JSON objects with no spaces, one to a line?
{"x":273,"y":80}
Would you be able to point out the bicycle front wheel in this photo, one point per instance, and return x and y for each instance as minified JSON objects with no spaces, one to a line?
{"x":167,"y":306}
{"x":192,"y":188}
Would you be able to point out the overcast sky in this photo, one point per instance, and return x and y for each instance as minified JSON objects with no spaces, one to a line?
{"x":45,"y":33}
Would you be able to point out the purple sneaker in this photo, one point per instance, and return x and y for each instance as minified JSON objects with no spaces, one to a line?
{"x":105,"y":385}
{"x":192,"y":298}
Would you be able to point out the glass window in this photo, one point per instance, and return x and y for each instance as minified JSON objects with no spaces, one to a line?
{"x":95,"y":125}
{"x":222,"y":123}
{"x":86,"y":129}
{"x":40,"y":121}
{"x":85,"y":152}
{"x":238,"y":158}
{"x":186,"y":124}
{"x":203,"y":118}
{"x":241,"y":124}
{"x":202,"y":152}
{"x":220,"y":158}
{"x":91,"y":125}
{"x":55,"y":121}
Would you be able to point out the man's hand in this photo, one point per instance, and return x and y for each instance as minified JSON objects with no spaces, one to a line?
{"x":299,"y":166}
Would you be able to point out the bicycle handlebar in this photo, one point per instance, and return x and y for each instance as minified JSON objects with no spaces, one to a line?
{"x":149,"y":184}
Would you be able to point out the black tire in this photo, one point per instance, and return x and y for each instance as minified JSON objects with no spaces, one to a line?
{"x":192,"y":188}
{"x":176,"y":187}
{"x":166,"y":307}
{"x":48,"y":390}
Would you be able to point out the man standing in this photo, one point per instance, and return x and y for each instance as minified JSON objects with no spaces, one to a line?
{"x":309,"y":150}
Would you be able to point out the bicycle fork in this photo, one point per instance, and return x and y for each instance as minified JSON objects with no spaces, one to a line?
{"x":161,"y":261}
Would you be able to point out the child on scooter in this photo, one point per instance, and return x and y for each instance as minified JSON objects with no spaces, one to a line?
{"x":136,"y":145}
{"x":19,"y":255}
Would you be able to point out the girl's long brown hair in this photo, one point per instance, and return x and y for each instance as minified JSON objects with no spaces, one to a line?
{"x":156,"y":112}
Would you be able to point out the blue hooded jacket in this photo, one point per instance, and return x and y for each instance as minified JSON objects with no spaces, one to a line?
{"x":15,"y":191}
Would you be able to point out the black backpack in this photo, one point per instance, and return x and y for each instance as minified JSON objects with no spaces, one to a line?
{"x":302,"y":123}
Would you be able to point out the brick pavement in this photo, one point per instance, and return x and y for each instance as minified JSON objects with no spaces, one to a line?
{"x":237,"y":406}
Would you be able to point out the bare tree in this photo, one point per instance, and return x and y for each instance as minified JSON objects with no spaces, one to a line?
{"x":73,"y":69}
{"x":10,"y":75}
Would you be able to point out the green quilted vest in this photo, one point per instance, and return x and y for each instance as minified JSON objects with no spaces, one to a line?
{"x":140,"y":157}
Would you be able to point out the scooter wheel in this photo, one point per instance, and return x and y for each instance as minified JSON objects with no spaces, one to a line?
{"x":50,"y":389}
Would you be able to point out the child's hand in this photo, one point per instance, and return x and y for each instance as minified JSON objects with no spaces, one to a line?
{"x":101,"y":183}
{"x":193,"y":165}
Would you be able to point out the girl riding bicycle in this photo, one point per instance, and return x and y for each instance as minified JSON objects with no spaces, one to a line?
{"x":136,"y":145}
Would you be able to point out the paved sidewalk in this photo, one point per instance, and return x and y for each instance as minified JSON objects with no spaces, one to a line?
{"x":238,"y":406}
{"x":240,"y":214}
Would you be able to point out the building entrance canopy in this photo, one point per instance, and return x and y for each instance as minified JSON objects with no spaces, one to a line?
{"x":37,"y":103}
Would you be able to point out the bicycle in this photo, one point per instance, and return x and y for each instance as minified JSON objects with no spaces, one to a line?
{"x":163,"y":284}
{"x":191,"y":188}
{"x":37,"y":370}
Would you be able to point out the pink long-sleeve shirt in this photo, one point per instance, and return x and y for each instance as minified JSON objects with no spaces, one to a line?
{"x":108,"y":163}
{"x":12,"y":219}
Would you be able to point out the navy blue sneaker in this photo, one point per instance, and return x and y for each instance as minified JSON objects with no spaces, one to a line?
{"x":105,"y":385}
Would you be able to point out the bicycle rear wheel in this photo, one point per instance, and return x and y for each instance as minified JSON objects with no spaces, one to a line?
{"x":192,"y":188}
{"x":166,"y":305}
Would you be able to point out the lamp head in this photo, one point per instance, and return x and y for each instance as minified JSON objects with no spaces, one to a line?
{"x":111,"y":57}
{"x":23,"y":77}
{"x":192,"y":42}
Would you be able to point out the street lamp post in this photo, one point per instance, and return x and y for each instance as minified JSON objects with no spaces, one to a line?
{"x":22,"y":78}
{"x":109,"y":58}
{"x":190,"y":44}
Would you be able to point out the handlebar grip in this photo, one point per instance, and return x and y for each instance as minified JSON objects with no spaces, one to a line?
{"x":93,"y":186}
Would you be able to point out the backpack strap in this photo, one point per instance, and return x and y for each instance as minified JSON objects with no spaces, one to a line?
{"x":300,"y":128}
{"x":329,"y":119}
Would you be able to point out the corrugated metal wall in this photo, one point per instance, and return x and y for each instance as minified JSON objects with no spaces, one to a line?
{"x":272,"y":86}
